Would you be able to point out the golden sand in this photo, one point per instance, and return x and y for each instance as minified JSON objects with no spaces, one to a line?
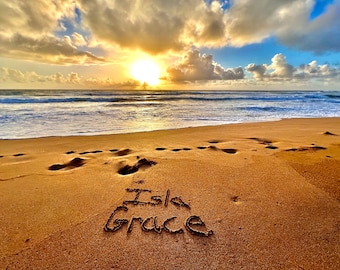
{"x":243,"y":196}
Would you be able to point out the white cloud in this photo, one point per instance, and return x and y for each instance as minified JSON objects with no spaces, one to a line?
{"x":31,"y":29}
{"x":107,"y":82}
{"x":27,"y":31}
{"x":33,"y":18}
{"x":193,"y":66}
{"x":155,"y":26}
{"x":10,"y":75}
{"x":78,"y":39}
{"x":73,"y":79}
{"x":46,"y":49}
{"x":280,"y":70}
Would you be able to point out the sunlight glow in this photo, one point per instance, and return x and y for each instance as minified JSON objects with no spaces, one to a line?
{"x":146,"y":71}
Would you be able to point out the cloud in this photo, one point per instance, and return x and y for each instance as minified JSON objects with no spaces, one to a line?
{"x":27,"y":31}
{"x":107,"y":82}
{"x":287,"y":20}
{"x":280,"y":70}
{"x":257,"y":70}
{"x":78,"y":39}
{"x":35,"y":30}
{"x":13,"y":75}
{"x":253,"y":21}
{"x":320,"y":35}
{"x":193,"y":66}
{"x":315,"y":71}
{"x":33,"y":18}
{"x":155,"y":26}
{"x":162,"y":26}
{"x":73,"y":79}
{"x":46,"y":49}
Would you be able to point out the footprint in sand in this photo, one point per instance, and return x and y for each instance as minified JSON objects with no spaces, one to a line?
{"x":261,"y":140}
{"x":273,"y":147}
{"x":84,"y":153}
{"x":142,"y":163}
{"x":229,"y":150}
{"x":123,"y":152}
{"x":74,"y":163}
{"x":215,"y":141}
{"x":235,"y":199}
{"x":18,"y":155}
{"x":160,"y":148}
{"x":267,"y":142}
{"x":330,"y":133}
{"x":306,"y":148}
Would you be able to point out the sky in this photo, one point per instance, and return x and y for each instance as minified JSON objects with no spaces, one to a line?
{"x":177,"y":44}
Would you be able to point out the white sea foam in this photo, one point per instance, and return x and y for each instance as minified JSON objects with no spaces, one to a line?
{"x":41,"y":113}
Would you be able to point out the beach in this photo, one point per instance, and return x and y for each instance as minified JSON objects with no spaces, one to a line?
{"x":262,"y":195}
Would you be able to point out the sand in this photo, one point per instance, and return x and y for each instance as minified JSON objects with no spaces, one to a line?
{"x":242,"y":196}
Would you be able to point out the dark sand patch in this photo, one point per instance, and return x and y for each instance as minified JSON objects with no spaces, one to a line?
{"x":70,"y":152}
{"x":160,"y":148}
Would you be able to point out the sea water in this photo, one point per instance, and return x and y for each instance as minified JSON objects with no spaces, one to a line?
{"x":41,"y":113}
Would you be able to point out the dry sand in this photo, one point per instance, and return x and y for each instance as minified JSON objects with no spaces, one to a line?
{"x":268,"y":194}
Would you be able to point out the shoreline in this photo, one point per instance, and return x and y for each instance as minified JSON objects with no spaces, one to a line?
{"x":267,"y":192}
{"x":172,"y":129}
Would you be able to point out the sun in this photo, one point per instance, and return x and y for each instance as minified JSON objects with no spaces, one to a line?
{"x":146,"y":71}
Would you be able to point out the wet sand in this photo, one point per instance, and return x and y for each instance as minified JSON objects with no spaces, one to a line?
{"x":243,"y":196}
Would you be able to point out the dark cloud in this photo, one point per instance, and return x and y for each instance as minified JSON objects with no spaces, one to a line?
{"x":257,"y":70}
{"x":319,"y":35}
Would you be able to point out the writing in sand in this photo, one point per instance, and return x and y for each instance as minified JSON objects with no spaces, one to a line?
{"x":193,"y":224}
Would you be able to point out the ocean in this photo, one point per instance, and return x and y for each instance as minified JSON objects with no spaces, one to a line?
{"x":42,"y":113}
